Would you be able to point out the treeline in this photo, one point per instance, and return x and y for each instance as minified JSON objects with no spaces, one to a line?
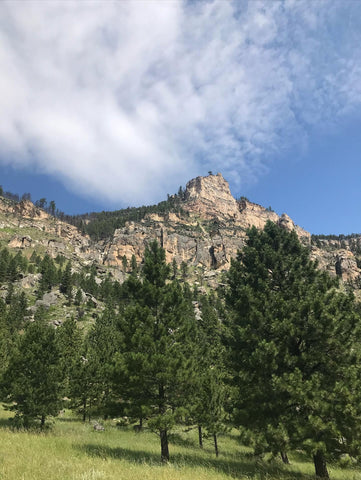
{"x":41,"y":203}
{"x":336,"y":237}
{"x":352,"y":241}
{"x":275,"y":354}
{"x":102,"y":225}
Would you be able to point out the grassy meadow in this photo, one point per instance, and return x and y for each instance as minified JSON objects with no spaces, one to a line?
{"x":71,"y":450}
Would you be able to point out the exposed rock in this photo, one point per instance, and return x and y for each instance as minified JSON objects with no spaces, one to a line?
{"x":287,"y":223}
{"x":98,"y":427}
{"x":27,"y":209}
{"x":49,"y":299}
{"x":205,"y":237}
{"x":210,"y":197}
{"x":254,"y":215}
{"x":30,"y":280}
{"x":19,"y":241}
{"x":91,"y":300}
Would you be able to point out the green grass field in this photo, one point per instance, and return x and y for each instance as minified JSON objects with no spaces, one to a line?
{"x":71,"y":450}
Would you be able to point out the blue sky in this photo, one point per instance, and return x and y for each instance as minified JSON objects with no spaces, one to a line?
{"x":109,"y":104}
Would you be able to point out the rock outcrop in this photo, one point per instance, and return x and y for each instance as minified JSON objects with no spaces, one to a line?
{"x":210,"y":197}
{"x":210,"y":234}
{"x":207,"y":231}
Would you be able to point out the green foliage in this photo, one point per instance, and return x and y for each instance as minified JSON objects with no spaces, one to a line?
{"x":292,"y":344}
{"x":69,"y":341}
{"x":154,"y":370}
{"x":49,"y":275}
{"x":66,"y":286}
{"x":11,"y":266}
{"x":101,"y":225}
{"x":33,"y":379}
{"x":211,"y":393}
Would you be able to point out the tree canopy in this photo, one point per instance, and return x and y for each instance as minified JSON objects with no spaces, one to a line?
{"x":293,"y":343}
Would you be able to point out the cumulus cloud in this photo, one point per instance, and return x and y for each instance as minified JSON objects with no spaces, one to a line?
{"x":127,"y":100}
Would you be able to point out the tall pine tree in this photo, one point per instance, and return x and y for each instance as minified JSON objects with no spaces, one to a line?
{"x":155,"y":369}
{"x":293,"y":347}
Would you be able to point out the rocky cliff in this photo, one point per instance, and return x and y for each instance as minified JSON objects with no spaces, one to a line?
{"x":206,"y":233}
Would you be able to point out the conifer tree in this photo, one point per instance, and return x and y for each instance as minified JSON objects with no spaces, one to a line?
{"x":211,"y":393}
{"x":49,"y":275}
{"x":66,"y":286}
{"x":84,"y":382}
{"x":33,"y":380}
{"x":69,"y":341}
{"x":293,"y":347}
{"x":156,"y":367}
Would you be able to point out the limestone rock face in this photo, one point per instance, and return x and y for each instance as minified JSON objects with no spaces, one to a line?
{"x":47,"y":232}
{"x":255,"y":215}
{"x":210,"y":197}
{"x":211,"y":233}
{"x":27,"y":209}
{"x":287,"y":223}
{"x":206,"y":233}
{"x":339,"y":262}
{"x":19,"y":241}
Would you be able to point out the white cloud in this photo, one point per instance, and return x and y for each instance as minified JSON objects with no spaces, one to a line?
{"x":127,"y":100}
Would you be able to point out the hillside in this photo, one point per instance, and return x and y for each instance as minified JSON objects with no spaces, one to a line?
{"x":201,"y":228}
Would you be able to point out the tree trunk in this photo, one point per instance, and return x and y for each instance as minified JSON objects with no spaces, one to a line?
{"x":163,"y":433}
{"x":200,"y":436}
{"x":84,"y":410}
{"x":140,"y":423}
{"x":42,"y":422}
{"x":164,"y":446}
{"x":320,"y":465}
{"x":284,"y":457}
{"x":215,"y":444}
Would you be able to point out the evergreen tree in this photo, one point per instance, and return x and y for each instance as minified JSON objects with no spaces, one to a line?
{"x":103,"y":342}
{"x":49,"y":275}
{"x":211,"y":394}
{"x":78,"y":297}
{"x":125,"y":263}
{"x":4,"y":263}
{"x":84,"y":388}
{"x":133,"y":265}
{"x":156,"y":367}
{"x":293,"y":349}
{"x":184,"y":269}
{"x":69,"y":341}
{"x":33,"y":380}
{"x":174,"y":269}
{"x":7,"y":339}
{"x":66,"y":286}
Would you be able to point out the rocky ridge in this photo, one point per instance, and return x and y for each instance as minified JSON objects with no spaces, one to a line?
{"x":206,"y":233}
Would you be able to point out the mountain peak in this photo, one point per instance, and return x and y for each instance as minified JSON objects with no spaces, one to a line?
{"x":210,"y":197}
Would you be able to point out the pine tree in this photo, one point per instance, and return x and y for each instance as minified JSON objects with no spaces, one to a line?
{"x":155,"y":369}
{"x":78,"y":297}
{"x":49,"y":275}
{"x":66,"y":286}
{"x":211,"y":394}
{"x":69,"y":341}
{"x":292,"y":345}
{"x":33,"y":380}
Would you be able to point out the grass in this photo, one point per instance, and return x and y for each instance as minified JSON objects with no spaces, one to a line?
{"x":71,"y":450}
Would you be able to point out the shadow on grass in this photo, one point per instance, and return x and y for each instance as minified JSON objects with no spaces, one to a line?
{"x":177,"y":439}
{"x":71,"y":420}
{"x":6,"y":423}
{"x":232,"y":467}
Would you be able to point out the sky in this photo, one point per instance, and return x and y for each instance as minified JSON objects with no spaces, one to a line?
{"x":105,"y":105}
